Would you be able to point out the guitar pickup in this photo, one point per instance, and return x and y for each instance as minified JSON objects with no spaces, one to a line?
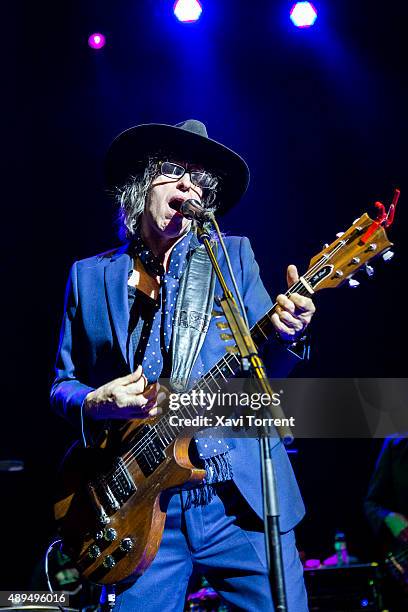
{"x":124,"y":484}
{"x":151,"y":454}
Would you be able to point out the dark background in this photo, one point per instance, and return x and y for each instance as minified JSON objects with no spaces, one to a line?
{"x":320,"y":116}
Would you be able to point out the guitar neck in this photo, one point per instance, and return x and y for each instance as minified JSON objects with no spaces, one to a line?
{"x":264,"y":328}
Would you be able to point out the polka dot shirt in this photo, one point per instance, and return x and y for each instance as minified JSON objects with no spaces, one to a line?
{"x":151,"y":321}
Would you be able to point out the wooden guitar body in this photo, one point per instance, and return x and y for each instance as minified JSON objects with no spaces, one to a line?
{"x":113,"y":527}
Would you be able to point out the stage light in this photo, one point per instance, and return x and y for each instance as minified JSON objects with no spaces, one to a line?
{"x":303,"y":14}
{"x":187,"y":11}
{"x":96,"y":41}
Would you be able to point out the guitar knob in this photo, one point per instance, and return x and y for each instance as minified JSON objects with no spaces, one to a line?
{"x":109,"y":562}
{"x":353,"y":283}
{"x":372,"y":247}
{"x":94,"y":551}
{"x":369,"y":270}
{"x":338,"y":273}
{"x":110,"y":534}
{"x":388,"y":255}
{"x":355,"y":260}
{"x":326,"y":245}
{"x":126,"y":544}
{"x":339,"y":234}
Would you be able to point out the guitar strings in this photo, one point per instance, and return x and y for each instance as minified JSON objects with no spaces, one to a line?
{"x":141,"y":444}
{"x":160,"y":426}
{"x":401,"y":556}
{"x":297,"y":287}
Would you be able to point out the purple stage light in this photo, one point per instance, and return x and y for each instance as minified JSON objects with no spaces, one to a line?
{"x":187,"y":11}
{"x":303,"y":14}
{"x":96,"y":41}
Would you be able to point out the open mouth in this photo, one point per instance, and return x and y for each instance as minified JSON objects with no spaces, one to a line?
{"x":175,"y":203}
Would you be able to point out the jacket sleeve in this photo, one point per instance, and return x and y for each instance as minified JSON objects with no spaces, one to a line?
{"x":380,"y":489}
{"x":67,"y":392}
{"x":279,"y":361}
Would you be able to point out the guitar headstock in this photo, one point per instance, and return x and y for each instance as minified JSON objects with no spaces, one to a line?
{"x":365,"y":240}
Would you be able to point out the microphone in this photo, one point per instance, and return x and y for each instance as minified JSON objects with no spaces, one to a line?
{"x":192,"y":209}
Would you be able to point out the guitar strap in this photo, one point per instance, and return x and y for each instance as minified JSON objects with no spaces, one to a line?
{"x":192,"y":315}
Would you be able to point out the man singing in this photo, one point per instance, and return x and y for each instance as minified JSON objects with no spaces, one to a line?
{"x":127,"y":318}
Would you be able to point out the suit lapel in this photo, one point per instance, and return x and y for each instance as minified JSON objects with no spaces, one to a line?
{"x":116,"y":276}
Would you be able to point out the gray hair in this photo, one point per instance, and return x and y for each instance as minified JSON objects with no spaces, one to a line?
{"x":132,"y":197}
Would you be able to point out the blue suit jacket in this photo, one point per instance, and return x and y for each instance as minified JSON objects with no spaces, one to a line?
{"x":92,"y":351}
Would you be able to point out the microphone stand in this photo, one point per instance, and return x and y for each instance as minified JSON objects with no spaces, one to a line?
{"x":251,"y":360}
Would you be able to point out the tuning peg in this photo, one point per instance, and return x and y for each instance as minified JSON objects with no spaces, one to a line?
{"x":369,"y":270}
{"x":339,"y":234}
{"x":388,"y":255}
{"x":222,"y":325}
{"x":353,"y":283}
{"x":232,"y":349}
{"x":216,"y":313}
{"x":226,"y":337}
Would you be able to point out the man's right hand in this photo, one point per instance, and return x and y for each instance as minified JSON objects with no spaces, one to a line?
{"x":128,"y":397}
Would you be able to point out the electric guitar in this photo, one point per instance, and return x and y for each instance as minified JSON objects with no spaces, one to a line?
{"x":111,"y":503}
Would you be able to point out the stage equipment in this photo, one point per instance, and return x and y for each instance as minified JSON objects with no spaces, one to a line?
{"x":96,"y":41}
{"x":11,"y":465}
{"x":205,"y":600}
{"x":303,"y":14}
{"x":351,"y":588}
{"x":187,"y":11}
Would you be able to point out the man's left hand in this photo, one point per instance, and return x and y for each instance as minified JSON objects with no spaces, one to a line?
{"x":292,"y":314}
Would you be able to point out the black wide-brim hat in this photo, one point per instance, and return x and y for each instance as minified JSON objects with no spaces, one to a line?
{"x":186,"y":141}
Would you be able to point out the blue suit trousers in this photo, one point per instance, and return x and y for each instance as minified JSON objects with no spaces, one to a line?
{"x":224,"y":541}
